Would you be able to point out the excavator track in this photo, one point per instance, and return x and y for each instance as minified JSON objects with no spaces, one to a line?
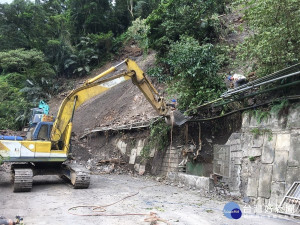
{"x":23,"y":178}
{"x":82,"y":180}
{"x":78,"y":175}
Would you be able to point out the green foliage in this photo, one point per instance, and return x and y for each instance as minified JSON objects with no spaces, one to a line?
{"x":117,"y":42}
{"x":260,"y":115}
{"x":25,"y":78}
{"x":258,"y":132}
{"x":252,"y":158}
{"x":31,"y":63}
{"x":145,"y":153}
{"x":222,"y":54}
{"x":102,"y":42}
{"x":157,"y":72}
{"x":87,"y":53}
{"x":173,"y":18}
{"x":193,"y":70}
{"x":14,"y":108}
{"x":274,"y":42}
{"x":159,"y":135}
{"x":281,"y":108}
{"x":16,"y":80}
{"x":144,"y":8}
{"x":139,"y":31}
{"x":86,"y":17}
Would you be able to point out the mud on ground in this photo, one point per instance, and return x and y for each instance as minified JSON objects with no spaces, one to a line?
{"x":51,"y":200}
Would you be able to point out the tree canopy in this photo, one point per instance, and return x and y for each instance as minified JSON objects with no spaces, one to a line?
{"x":44,"y":40}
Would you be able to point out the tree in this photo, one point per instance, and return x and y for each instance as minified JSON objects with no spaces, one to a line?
{"x":275,"y":39}
{"x":88,"y":16}
{"x":193,"y":72}
{"x":25,"y":79}
{"x":173,"y":18}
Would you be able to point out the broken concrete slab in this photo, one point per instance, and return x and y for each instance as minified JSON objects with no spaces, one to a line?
{"x":246,"y":141}
{"x":246,"y":120}
{"x":268,"y":152}
{"x":191,"y":181}
{"x":235,"y":180}
{"x":204,"y":183}
{"x":132,"y":156}
{"x":264,"y":182}
{"x":152,"y":152}
{"x":277,"y":193}
{"x":235,"y":147}
{"x":254,"y":152}
{"x":136,"y":167}
{"x":283,"y":142}
{"x":292,"y":175}
{"x":293,"y":117}
{"x":257,"y":141}
{"x":140,"y":146}
{"x":121,"y":145}
{"x":221,"y":160}
{"x":280,"y":166}
{"x":252,"y":187}
{"x":294,"y":151}
{"x":235,"y":141}
{"x":142,"y":169}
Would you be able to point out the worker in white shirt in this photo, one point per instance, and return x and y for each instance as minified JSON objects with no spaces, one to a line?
{"x":238,"y":80}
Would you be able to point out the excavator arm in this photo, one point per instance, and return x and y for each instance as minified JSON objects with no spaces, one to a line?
{"x":62,"y":127}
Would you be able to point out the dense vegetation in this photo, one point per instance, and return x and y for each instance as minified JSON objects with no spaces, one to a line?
{"x":275,"y":40}
{"x":44,"y":40}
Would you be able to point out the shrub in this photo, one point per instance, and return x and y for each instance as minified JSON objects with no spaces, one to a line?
{"x":274,"y":43}
{"x":159,"y":135}
{"x":176,"y":17}
{"x":193,"y":70}
{"x":139,"y":31}
{"x":25,"y":78}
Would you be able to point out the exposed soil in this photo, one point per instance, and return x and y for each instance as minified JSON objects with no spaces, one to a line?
{"x":121,"y":104}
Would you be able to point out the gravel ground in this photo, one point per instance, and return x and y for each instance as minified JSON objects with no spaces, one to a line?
{"x":50,"y":199}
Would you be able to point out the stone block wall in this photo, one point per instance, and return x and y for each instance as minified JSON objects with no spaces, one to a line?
{"x":171,"y":160}
{"x":263,"y":160}
{"x":133,"y":151}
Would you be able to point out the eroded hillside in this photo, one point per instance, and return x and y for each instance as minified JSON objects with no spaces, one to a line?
{"x":122,"y":104}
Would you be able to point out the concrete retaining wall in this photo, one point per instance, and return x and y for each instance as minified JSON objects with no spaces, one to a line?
{"x":263,"y":160}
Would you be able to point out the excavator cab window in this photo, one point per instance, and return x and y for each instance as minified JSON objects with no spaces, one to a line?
{"x":43,"y":133}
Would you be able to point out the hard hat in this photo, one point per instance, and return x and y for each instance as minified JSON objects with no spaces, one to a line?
{"x":229,"y":77}
{"x":173,"y":100}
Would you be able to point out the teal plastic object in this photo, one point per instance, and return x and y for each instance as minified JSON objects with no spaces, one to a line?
{"x":43,"y":105}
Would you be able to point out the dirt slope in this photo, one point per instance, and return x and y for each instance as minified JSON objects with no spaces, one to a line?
{"x":121,"y":104}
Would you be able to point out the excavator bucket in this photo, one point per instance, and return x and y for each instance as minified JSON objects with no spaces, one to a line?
{"x":177,"y":118}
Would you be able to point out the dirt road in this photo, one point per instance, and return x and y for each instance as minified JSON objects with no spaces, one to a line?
{"x":50,"y":199}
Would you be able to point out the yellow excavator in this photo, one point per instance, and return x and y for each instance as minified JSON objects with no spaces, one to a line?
{"x":46,"y":149}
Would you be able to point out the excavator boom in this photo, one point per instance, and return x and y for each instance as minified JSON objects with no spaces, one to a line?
{"x":45,"y":153}
{"x":100,"y":84}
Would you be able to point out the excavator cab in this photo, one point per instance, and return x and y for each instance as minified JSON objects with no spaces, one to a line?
{"x":42,"y":131}
{"x":48,"y":143}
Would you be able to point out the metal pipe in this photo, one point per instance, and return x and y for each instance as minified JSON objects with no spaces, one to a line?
{"x":243,"y":109}
{"x":208,"y":103}
{"x":266,"y":82}
{"x":73,"y":111}
{"x":275,"y":74}
{"x":106,"y":72}
{"x":260,"y":92}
